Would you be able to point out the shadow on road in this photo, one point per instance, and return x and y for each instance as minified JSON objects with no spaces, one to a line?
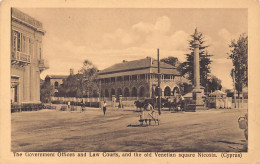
{"x":138,"y":125}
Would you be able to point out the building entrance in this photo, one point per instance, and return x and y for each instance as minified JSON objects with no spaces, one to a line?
{"x":14,"y":94}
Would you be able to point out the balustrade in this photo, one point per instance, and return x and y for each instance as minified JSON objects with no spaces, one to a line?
{"x":20,"y":57}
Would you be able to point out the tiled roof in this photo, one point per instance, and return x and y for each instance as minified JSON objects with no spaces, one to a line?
{"x":146,"y":65}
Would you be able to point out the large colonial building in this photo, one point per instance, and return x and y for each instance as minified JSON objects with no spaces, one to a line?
{"x":26,"y":58}
{"x":139,"y":78}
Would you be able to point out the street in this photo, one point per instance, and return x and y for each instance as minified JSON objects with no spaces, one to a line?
{"x":214,"y":130}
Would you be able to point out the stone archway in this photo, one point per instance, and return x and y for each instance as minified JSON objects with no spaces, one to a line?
{"x":176,"y":91}
{"x":119,"y":92}
{"x":134,"y":92}
{"x":157,"y":91}
{"x":56,"y":84}
{"x":113,"y":92}
{"x":167,"y":91}
{"x":142,"y":92}
{"x":106,"y":93}
{"x":126,"y":92}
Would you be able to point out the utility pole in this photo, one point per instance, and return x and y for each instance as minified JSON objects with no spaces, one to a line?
{"x":100,"y":93}
{"x":234,"y":84}
{"x":159,"y":83}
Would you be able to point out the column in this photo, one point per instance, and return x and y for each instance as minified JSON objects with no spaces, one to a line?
{"x":26,"y":84}
{"x":196,"y":65}
{"x":38,"y":86}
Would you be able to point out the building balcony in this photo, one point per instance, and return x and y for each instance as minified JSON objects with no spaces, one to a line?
{"x":43,"y":64}
{"x":20,"y":58}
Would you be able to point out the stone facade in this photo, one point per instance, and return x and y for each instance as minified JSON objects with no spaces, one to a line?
{"x":56,"y":80}
{"x":26,"y":58}
{"x":139,"y":78}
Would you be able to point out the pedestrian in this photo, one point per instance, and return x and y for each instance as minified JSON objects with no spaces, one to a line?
{"x":104,"y":107}
{"x":182,"y":102}
{"x":149,"y":107}
{"x":69,"y":104}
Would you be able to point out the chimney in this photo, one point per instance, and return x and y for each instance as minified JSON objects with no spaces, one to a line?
{"x":71,"y":71}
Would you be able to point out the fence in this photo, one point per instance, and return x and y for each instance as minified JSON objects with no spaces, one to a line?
{"x":26,"y":107}
{"x":93,"y":99}
{"x":219,"y":102}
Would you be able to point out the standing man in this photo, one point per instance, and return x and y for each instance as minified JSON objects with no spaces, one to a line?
{"x":104,"y":107}
{"x":182,"y":102}
{"x":69,"y":104}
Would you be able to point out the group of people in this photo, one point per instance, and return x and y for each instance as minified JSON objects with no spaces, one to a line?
{"x":177,"y":103}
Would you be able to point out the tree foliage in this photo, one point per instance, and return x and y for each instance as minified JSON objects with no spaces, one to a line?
{"x":214,"y":83}
{"x":47,"y":91}
{"x":187,"y":67}
{"x":81,"y":84}
{"x":174,"y":61}
{"x":239,"y":56}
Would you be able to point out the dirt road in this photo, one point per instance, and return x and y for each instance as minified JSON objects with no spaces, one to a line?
{"x":55,"y":131}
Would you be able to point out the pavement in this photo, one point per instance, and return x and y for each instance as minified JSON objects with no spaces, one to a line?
{"x":214,"y":130}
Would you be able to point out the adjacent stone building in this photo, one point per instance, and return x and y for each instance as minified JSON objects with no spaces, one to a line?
{"x":139,"y":78}
{"x":56,"y":80}
{"x":26,"y":58}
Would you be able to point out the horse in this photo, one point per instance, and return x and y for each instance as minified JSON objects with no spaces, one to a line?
{"x":139,"y":105}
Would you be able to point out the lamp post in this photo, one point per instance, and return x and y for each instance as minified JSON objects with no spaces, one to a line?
{"x":159,"y":83}
{"x":100,"y":93}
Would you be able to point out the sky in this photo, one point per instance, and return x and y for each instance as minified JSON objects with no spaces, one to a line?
{"x":107,"y":36}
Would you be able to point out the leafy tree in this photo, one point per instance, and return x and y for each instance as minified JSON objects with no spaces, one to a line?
{"x":205,"y":61}
{"x":47,"y":91}
{"x":239,"y":56}
{"x":89,"y":82}
{"x":71,"y":86}
{"x":80,"y":84}
{"x":214,"y":83}
{"x":174,"y":61}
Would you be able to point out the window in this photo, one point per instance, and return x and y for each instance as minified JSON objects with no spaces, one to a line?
{"x":167,"y":76}
{"x":40,"y":52}
{"x":30,"y":46}
{"x":126,"y":78}
{"x":113,"y":79}
{"x":16,"y":41}
{"x":134,"y":77}
{"x":142,"y":76}
{"x":24,"y":44}
{"x":56,"y":85}
{"x":119,"y":78}
{"x":14,"y":94}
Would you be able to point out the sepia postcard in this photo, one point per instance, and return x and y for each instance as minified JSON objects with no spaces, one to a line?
{"x":129,"y":82}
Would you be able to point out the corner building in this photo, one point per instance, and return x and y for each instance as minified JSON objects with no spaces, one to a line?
{"x":139,"y":79}
{"x":26,"y":58}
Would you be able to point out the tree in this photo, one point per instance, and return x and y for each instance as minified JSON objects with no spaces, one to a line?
{"x":71,"y":86}
{"x":47,"y":91}
{"x":239,"y":56}
{"x":174,"y":61}
{"x":205,"y":61}
{"x":89,"y":79}
{"x":214,"y":83}
{"x":80,"y":84}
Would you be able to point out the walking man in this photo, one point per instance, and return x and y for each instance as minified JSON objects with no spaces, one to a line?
{"x":104,"y":107}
